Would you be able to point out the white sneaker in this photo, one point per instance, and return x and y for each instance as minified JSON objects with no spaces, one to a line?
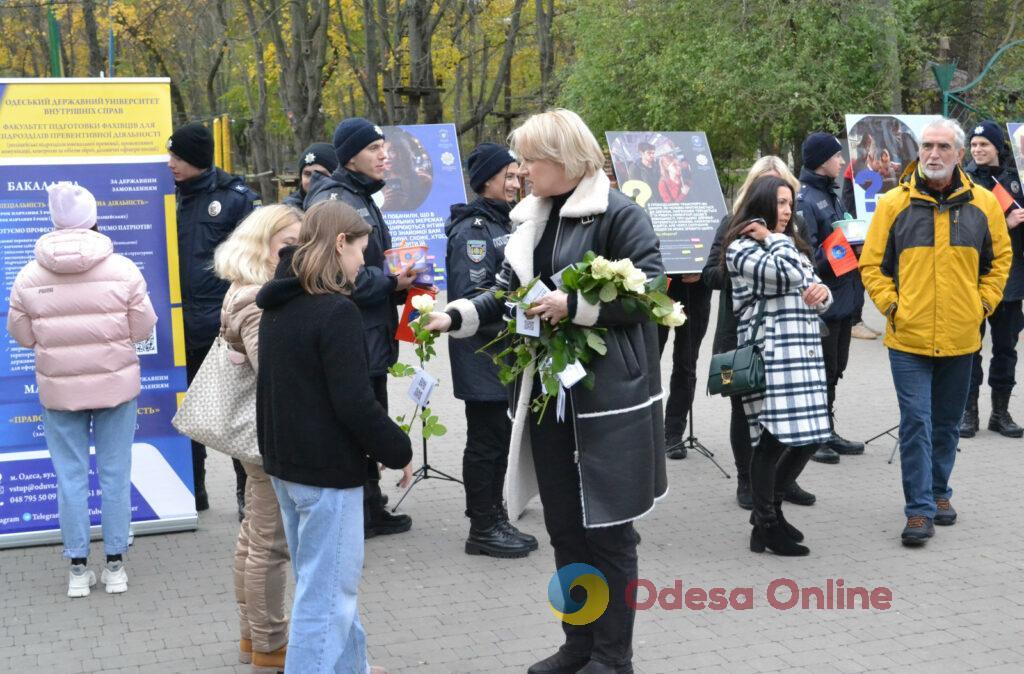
{"x":115,"y":578}
{"x":80,"y":580}
{"x":862,"y":331}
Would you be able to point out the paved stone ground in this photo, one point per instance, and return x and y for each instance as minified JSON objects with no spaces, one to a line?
{"x":957,"y":604}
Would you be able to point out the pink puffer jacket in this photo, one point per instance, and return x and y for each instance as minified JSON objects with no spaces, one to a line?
{"x":81,"y":307}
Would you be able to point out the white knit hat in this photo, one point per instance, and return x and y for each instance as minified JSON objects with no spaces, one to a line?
{"x":71,"y":206}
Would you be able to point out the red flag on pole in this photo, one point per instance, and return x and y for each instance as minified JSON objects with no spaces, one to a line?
{"x":404,"y":332}
{"x":839,"y":253}
{"x":1005,"y":199}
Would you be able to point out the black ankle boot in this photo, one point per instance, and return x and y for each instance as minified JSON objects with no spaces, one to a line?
{"x":378,"y":521}
{"x":531,"y":541}
{"x":1001,"y":422}
{"x":488,"y":536}
{"x":559,"y":663}
{"x":674,"y":447}
{"x":772,"y":537}
{"x":969,"y":422}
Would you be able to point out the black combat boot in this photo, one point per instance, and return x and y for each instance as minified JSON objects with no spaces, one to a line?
{"x":489,"y":536}
{"x":531,"y":541}
{"x":1001,"y":422}
{"x":377,"y":521}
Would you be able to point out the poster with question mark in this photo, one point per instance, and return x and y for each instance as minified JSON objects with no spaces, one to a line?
{"x":672,"y":175}
{"x":881,"y":148}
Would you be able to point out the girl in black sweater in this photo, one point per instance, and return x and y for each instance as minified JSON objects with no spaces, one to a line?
{"x":317,"y":421}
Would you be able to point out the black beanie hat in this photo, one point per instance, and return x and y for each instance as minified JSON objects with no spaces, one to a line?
{"x":193,"y":143}
{"x":818,"y":148}
{"x":319,"y":153}
{"x":485,"y":161}
{"x":991,"y":132}
{"x":352,"y":135}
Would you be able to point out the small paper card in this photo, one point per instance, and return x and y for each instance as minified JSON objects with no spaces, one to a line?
{"x":422,"y":387}
{"x":525,"y":325}
{"x":556,"y":278}
{"x":572,"y":374}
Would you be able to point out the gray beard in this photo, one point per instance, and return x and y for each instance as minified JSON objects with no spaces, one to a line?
{"x":943,"y":174}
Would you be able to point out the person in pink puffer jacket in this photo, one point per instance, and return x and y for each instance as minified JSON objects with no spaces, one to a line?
{"x":82,"y":307}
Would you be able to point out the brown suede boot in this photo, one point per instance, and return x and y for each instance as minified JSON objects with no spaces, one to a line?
{"x":267,"y":663}
{"x":245,"y":651}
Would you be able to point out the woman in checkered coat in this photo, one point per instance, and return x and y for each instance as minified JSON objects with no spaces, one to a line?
{"x":777,"y":298}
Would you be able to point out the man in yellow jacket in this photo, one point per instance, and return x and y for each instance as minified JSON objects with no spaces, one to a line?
{"x":935,"y":261}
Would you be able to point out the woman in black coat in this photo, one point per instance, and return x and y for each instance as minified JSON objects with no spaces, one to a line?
{"x":317,"y":421}
{"x":604,"y":466}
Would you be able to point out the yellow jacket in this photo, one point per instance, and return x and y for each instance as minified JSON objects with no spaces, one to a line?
{"x":936,"y":269}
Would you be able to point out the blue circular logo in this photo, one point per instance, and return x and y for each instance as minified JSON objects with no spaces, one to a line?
{"x":570,"y":610}
{"x":27,"y":517}
{"x":838,"y":252}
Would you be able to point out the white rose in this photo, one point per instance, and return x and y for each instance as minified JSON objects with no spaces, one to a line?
{"x":623,"y":267}
{"x":423,"y":303}
{"x":676,"y":318}
{"x":600,"y":268}
{"x":636,"y":281}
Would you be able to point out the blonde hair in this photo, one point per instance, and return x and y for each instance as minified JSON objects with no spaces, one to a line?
{"x":560,"y":136}
{"x":245,"y":256}
{"x":763,"y":166}
{"x":316,"y":262}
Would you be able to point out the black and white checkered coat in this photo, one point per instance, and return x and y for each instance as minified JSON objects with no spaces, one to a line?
{"x":794,"y":408}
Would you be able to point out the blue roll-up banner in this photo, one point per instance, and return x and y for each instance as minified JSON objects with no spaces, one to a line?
{"x":108,"y":135}
{"x":423,"y":178}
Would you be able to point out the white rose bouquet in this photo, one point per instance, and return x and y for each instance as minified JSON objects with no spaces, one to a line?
{"x":560,"y":346}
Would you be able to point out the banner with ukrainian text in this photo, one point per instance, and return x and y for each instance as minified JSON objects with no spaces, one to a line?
{"x":109,"y":136}
{"x":423,"y":178}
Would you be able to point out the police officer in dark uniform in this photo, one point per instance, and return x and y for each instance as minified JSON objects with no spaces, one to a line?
{"x":317,"y":158}
{"x":819,"y":206}
{"x":359,"y":146}
{"x":992,"y":163}
{"x":477,"y":233}
{"x":210,"y":203}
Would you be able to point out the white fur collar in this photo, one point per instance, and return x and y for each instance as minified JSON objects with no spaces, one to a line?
{"x":530,"y":217}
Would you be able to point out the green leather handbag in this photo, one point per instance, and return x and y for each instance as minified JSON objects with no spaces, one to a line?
{"x":740,"y":371}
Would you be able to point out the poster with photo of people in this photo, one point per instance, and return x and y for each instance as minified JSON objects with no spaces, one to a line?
{"x":881,"y":148}
{"x":423,"y":177}
{"x":672,"y":175}
{"x":1015,"y":132}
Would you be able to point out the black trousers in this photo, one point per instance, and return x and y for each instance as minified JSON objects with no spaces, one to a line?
{"x":1006,"y":321}
{"x":836,"y":351}
{"x":696,"y":300}
{"x":739,"y":438}
{"x":488,"y":432}
{"x":611,"y":550}
{"x":193,"y":361}
{"x":772,"y":467}
{"x":373,"y":498}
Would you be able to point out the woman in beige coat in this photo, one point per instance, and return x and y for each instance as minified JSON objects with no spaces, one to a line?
{"x":247,"y":259}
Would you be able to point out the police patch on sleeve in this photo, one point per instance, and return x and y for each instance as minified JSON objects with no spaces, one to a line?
{"x":476,"y":249}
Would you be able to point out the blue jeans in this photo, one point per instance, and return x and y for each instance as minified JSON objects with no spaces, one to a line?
{"x":67,"y":437}
{"x":932,"y":393}
{"x":324,"y":528}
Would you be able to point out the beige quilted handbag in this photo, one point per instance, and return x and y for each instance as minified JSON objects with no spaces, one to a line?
{"x":219,"y":408}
